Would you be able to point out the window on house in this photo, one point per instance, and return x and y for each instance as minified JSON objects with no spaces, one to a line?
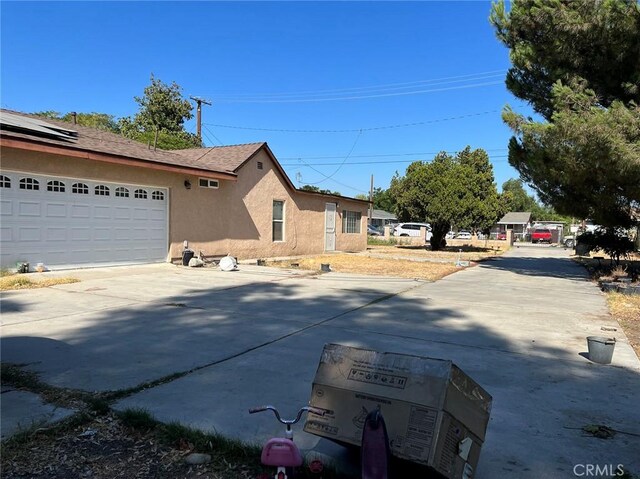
{"x":351,"y":221}
{"x":260,"y":165}
{"x":207,"y":183}
{"x":29,"y":184}
{"x":55,"y":185}
{"x":80,"y":189}
{"x":5,"y":181}
{"x":122,"y":192}
{"x":278,"y":220}
{"x":157,"y":195}
{"x":140,"y":194}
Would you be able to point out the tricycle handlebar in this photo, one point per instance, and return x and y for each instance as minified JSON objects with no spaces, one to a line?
{"x":311,"y":409}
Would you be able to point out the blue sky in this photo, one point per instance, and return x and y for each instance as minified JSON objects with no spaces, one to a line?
{"x":274,"y":66}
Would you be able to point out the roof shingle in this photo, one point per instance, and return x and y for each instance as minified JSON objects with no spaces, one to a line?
{"x":223,"y":159}
{"x":515,"y":218}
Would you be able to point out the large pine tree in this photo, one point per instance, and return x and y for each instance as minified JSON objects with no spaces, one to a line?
{"x":578,"y":64}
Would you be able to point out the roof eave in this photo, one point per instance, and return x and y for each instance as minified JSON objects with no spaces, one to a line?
{"x":31,"y":145}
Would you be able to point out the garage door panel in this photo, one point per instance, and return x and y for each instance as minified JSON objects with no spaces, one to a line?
{"x":156,"y":234}
{"x":122,"y":213}
{"x":56,"y":210}
{"x":6,"y":234}
{"x":56,"y":234}
{"x":80,"y":234}
{"x":102,"y":234}
{"x":158,"y":215}
{"x":140,"y":214}
{"x":122,"y":234}
{"x":140,"y":234}
{"x":28,"y":233}
{"x":29,"y":208}
{"x":102,"y":212}
{"x":6,"y":207}
{"x":80,"y":211}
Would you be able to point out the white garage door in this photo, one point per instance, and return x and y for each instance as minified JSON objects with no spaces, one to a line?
{"x":68,"y":222}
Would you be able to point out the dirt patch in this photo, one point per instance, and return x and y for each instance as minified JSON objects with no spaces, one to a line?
{"x":477,"y":251}
{"x":626,"y":310}
{"x":362,"y":264}
{"x":105,"y":449}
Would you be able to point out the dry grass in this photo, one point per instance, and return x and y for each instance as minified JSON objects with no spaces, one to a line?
{"x":626,"y":310}
{"x":471,"y":251}
{"x":360,"y":264}
{"x":18,"y":281}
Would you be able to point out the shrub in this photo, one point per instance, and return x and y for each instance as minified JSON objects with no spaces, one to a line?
{"x":613,"y":241}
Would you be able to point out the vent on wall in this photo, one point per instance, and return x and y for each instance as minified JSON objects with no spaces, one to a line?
{"x":260,"y":166}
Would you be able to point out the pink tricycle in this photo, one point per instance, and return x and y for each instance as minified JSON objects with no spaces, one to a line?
{"x":281,"y":452}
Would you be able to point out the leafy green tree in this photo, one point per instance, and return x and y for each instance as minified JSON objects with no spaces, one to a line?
{"x":382,"y":199}
{"x":450,"y":191}
{"x":160,"y":119}
{"x":515,"y":197}
{"x":578,"y":64}
{"x":102,"y":121}
{"x":317,"y":189}
{"x":483,"y":206}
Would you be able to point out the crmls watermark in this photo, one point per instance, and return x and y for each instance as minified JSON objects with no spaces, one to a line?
{"x":598,"y":470}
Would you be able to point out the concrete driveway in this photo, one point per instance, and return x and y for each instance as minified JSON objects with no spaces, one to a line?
{"x":517,"y":325}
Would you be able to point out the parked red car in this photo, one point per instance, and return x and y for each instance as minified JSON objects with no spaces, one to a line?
{"x":502,"y":236}
{"x":541,"y":234}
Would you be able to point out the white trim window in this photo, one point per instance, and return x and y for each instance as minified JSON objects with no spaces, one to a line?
{"x":29,"y":184}
{"x":351,"y":221}
{"x":55,"y":185}
{"x":277,"y":229}
{"x":208,"y":183}
{"x":140,"y":194}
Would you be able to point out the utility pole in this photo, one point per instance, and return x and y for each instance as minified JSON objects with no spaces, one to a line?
{"x":371,"y":202}
{"x":199,"y":101}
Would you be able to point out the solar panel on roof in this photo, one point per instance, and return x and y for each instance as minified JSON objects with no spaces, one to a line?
{"x":35,"y":126}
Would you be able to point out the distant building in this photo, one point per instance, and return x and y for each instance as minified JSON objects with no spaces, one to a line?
{"x":381,"y":218}
{"x":518,"y":222}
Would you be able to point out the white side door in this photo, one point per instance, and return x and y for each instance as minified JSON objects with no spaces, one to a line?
{"x":330,"y":227}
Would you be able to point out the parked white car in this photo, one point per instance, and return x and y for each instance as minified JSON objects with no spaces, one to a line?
{"x":412,"y":229}
{"x":463,"y":235}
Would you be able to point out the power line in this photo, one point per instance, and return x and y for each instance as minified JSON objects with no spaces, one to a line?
{"x":334,"y":180}
{"x":362,"y":97}
{"x":387,"y":127}
{"x":379,"y":155}
{"x":454,"y":79}
{"x":212,"y":134}
{"x":340,"y":164}
{"x":304,"y":163}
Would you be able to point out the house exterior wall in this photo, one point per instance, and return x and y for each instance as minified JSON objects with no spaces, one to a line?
{"x":236,"y":218}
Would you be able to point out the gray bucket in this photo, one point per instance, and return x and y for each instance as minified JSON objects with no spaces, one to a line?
{"x":325,"y":267}
{"x":601,"y":349}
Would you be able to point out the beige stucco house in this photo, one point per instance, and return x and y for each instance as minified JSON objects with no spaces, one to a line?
{"x":74,"y":196}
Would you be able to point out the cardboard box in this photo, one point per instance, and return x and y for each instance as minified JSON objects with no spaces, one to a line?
{"x":435,"y":414}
